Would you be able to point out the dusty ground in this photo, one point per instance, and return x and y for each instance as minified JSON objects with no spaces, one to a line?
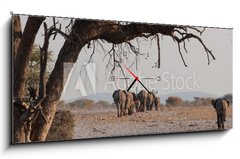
{"x":104,"y":123}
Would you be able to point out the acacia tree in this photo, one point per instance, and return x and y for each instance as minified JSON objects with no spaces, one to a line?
{"x":82,"y":33}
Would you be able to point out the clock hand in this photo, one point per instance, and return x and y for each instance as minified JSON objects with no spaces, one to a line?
{"x":143,"y":86}
{"x":131,"y":84}
{"x":131,"y":72}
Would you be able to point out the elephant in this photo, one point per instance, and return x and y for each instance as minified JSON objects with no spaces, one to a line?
{"x":119,"y":97}
{"x":146,"y":100}
{"x":142,"y":97}
{"x":150,"y":100}
{"x":131,"y":101}
{"x":220,"y":106}
{"x":157,"y":103}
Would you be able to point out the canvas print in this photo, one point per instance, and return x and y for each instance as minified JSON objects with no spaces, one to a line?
{"x":76,"y":78}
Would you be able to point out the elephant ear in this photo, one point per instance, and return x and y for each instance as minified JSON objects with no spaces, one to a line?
{"x":214,"y":103}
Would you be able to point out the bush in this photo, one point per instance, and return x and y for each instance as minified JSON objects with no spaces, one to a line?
{"x":174,"y":101}
{"x":103,"y":103}
{"x":82,"y":103}
{"x":228,"y":97}
{"x":200,"y":101}
{"x":62,"y":127}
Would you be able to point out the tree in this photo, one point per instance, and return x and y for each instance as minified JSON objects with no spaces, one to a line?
{"x":33,"y":70}
{"x":23,"y":43}
{"x":174,"y":101}
{"x":87,"y":32}
{"x":228,"y":97}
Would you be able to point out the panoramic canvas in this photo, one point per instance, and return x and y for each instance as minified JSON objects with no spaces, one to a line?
{"x":79,"y":79}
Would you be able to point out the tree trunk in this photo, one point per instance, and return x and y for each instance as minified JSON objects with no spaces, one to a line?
{"x":17,"y":35}
{"x":55,"y":84}
{"x":21,"y":52}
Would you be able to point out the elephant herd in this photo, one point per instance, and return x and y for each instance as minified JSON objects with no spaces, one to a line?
{"x":127,"y":101}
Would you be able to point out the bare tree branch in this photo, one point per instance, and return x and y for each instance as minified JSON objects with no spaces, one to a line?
{"x":158,"y":46}
{"x":179,"y":50}
{"x":187,"y":36}
{"x":194,"y":28}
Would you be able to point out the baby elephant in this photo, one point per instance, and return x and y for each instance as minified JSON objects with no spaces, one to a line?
{"x":220,"y":106}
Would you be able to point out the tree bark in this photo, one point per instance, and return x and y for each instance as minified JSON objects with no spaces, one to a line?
{"x":17,"y":35}
{"x":54,"y":88}
{"x":21,"y":53}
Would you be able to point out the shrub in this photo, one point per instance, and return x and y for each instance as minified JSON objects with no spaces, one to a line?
{"x":103,"y":103}
{"x":228,"y":97}
{"x":82,"y":103}
{"x":200,"y":101}
{"x":174,"y":101}
{"x":62,"y":127}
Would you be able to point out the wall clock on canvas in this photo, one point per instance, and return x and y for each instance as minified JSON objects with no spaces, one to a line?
{"x":79,"y":78}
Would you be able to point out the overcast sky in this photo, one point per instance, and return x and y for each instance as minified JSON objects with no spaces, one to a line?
{"x":215,"y":78}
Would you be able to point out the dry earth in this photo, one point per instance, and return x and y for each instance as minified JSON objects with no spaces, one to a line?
{"x":105,"y":123}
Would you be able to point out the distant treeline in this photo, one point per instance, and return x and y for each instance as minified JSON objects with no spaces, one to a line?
{"x":88,"y":103}
{"x":170,"y":101}
{"x":197,"y":101}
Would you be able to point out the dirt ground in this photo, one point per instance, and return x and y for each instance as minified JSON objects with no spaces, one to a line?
{"x":105,"y":123}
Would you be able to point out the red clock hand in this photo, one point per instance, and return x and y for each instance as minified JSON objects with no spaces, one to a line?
{"x":136,"y":78}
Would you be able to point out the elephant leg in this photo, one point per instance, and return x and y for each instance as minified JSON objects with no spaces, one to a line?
{"x":224,"y":116}
{"x":144,"y":105}
{"x":123,"y":112}
{"x":151,"y":106}
{"x":118,"y":110}
{"x":141,"y":107}
{"x":129,"y":111}
{"x":223,"y":120}
{"x":219,"y":121}
{"x":156,"y":107}
{"x":125,"y":109}
{"x":137,"y":107}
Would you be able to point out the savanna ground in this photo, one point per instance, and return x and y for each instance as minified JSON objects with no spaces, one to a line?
{"x":96,"y":123}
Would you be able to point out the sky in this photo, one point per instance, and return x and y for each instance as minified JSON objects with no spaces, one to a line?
{"x":215,"y":78}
